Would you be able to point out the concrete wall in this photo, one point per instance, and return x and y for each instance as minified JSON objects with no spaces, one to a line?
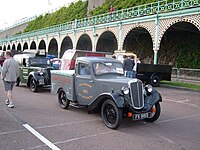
{"x":92,"y":4}
{"x":13,"y":31}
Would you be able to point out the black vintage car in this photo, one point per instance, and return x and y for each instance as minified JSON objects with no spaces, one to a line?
{"x":34,"y":70}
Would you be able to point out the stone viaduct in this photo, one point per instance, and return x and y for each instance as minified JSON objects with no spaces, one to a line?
{"x":117,"y":31}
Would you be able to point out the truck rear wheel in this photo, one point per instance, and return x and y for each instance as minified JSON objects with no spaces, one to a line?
{"x":63,"y":101}
{"x":155,"y":81}
{"x":111,"y":114}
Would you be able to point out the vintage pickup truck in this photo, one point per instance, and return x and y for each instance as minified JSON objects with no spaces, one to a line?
{"x":99,"y":84}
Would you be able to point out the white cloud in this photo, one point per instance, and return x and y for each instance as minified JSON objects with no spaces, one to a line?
{"x":15,"y":10}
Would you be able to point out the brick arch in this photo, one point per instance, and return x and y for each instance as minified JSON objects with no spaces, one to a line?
{"x":137,"y":26}
{"x":79,"y":37}
{"x":67,"y":35}
{"x":13,"y":46}
{"x":108,"y":30}
{"x":167,"y":23}
{"x":53,"y":46}
{"x":98,"y":41}
{"x":42,"y":44}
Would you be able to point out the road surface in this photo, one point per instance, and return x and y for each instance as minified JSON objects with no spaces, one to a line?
{"x":38,"y":123}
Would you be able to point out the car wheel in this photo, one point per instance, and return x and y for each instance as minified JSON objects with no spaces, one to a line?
{"x":155,"y":81}
{"x":111,"y":114}
{"x":63,"y":101}
{"x":155,"y":113}
{"x":33,"y":85}
{"x":17,"y":82}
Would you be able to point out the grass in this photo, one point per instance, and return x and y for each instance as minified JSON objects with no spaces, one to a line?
{"x":182,"y":84}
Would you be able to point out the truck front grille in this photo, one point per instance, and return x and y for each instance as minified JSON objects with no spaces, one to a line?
{"x":136,"y":92}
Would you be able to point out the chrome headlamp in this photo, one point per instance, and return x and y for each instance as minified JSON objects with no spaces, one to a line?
{"x":148,"y":88}
{"x":125,"y":90}
{"x":41,"y":72}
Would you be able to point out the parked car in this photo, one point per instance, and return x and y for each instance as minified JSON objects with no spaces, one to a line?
{"x":56,"y":62}
{"x":69,"y":57}
{"x":148,"y":73}
{"x":34,"y":70}
{"x":99,"y":84}
{"x":2,"y":55}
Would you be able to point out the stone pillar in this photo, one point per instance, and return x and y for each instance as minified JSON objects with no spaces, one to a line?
{"x":94,"y":39}
{"x":47,"y":43}
{"x":74,"y":41}
{"x":59,"y":45}
{"x":120,"y":47}
{"x":156,"y":41}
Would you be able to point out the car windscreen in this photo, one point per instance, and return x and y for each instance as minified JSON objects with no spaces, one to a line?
{"x":108,"y":67}
{"x":39,"y":62}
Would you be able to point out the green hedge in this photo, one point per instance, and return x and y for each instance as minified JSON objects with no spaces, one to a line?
{"x":74,"y":11}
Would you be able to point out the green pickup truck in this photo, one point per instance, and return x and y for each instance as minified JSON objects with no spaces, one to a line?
{"x":34,"y":70}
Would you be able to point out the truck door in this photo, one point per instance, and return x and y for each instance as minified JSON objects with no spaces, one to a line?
{"x":84,"y":85}
{"x":24,"y":71}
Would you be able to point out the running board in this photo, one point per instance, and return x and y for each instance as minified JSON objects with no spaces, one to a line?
{"x":75,"y":105}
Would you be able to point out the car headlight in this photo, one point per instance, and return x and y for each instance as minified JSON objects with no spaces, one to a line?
{"x":41,"y":72}
{"x":149,"y":88}
{"x":125,"y":90}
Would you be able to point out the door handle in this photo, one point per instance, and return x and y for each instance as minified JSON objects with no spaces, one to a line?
{"x":91,"y":81}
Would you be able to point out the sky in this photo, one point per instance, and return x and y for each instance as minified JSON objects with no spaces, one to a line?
{"x":12,"y":11}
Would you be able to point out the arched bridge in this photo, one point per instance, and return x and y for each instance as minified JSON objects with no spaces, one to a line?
{"x":142,"y":29}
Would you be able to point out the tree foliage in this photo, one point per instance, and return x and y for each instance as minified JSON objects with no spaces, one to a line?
{"x":74,"y":11}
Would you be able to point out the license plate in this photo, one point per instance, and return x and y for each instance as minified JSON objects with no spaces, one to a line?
{"x":141,"y":116}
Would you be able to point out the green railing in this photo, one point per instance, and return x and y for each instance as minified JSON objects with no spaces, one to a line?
{"x":138,"y":11}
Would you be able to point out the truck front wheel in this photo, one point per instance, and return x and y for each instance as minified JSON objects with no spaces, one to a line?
{"x":155,"y":114}
{"x":33,"y":85}
{"x":63,"y":101}
{"x":111,"y":114}
{"x":155,"y":81}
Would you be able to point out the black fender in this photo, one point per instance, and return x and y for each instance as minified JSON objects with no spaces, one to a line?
{"x":97,"y":103}
{"x":34,"y":75}
{"x":152,"y":99}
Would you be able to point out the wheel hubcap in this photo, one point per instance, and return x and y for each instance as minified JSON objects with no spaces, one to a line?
{"x":33,"y":84}
{"x":62,"y":98}
{"x":110,"y":114}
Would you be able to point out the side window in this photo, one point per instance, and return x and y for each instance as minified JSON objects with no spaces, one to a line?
{"x":84,"y":69}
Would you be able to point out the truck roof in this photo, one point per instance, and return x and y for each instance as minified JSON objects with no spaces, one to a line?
{"x":97,"y":59}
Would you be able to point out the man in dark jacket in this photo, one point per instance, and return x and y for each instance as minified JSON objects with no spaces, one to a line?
{"x":128,"y":66}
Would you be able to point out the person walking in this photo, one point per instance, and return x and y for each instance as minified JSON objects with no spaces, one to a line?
{"x":9,"y":75}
